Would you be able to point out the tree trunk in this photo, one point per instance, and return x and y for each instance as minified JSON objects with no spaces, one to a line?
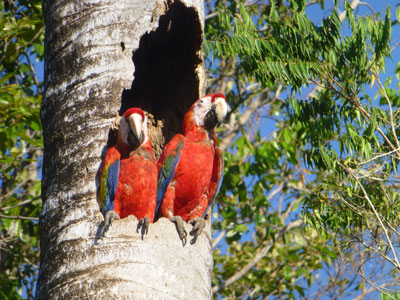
{"x":102,"y":57}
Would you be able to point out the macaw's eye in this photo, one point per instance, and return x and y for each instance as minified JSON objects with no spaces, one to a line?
{"x":200,"y":102}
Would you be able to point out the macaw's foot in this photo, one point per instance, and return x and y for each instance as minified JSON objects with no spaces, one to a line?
{"x":198,"y":224}
{"x":110,"y":216}
{"x":143,"y":223}
{"x":180,"y":227}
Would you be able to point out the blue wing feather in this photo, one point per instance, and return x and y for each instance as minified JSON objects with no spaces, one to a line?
{"x":112,"y":184}
{"x":165,"y":176}
{"x":169,"y":162}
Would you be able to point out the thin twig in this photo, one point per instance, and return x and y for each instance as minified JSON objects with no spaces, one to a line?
{"x":31,"y":41}
{"x":218,"y":238}
{"x":35,"y":79}
{"x":397,"y":265}
{"x":353,"y":5}
{"x":395,"y":46}
{"x":312,"y":2}
{"x":369,"y":6}
{"x":20,"y":217}
{"x":378,"y":156}
{"x":275,"y":191}
{"x":290,"y":206}
{"x":11,"y":192}
{"x":380,"y":253}
{"x":20,"y":203}
{"x":366,"y":116}
{"x":375,"y":286}
{"x":236,"y":125}
{"x":214,"y":14}
{"x":390,"y":109}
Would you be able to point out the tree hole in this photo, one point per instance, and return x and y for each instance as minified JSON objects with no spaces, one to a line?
{"x":166,"y":82}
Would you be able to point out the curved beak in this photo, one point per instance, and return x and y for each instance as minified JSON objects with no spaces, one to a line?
{"x":221,"y":109}
{"x":216,"y":114}
{"x":135,"y":135}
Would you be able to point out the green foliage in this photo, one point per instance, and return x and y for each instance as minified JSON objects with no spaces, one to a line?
{"x":21,"y":41}
{"x":328,"y":158}
{"x":390,"y":296}
{"x":292,"y":50}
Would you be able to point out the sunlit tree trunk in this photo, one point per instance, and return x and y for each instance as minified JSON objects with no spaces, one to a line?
{"x":102,"y":57}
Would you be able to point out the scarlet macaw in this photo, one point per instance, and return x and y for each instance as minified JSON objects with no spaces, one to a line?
{"x":191,"y":166}
{"x":128,"y":174}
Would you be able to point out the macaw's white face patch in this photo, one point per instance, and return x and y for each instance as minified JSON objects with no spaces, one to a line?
{"x":202,"y":107}
{"x":210,"y":110}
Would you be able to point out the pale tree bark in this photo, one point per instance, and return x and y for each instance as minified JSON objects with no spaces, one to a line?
{"x":102,"y":57}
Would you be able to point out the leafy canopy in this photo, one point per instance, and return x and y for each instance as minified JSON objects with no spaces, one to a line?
{"x":312,"y":177}
{"x":21,"y":43}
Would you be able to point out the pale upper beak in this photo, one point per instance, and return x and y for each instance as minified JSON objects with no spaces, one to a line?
{"x":135,"y":122}
{"x":216,"y":114}
{"x":221,"y":109}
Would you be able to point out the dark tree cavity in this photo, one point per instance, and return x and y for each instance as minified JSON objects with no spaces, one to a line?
{"x":166,"y":82}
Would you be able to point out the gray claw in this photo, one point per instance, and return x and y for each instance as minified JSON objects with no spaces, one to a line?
{"x":198,"y":224}
{"x":110,"y":216}
{"x":180,"y":227}
{"x":144,"y":223}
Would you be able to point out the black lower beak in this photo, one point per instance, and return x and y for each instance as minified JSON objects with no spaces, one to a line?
{"x":210,"y":120}
{"x":134,"y":141}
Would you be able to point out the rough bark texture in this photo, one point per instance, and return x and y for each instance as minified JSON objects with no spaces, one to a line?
{"x":102,"y":57}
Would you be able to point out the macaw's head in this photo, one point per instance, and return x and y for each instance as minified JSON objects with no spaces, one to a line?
{"x":133,"y":128}
{"x":209,"y":111}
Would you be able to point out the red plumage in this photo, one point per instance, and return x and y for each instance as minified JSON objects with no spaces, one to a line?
{"x":136,"y":191}
{"x":128,"y":175}
{"x":191,"y":164}
{"x":187,"y":194}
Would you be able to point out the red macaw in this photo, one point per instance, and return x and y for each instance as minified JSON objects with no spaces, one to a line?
{"x":128,"y":174}
{"x":191,"y":167}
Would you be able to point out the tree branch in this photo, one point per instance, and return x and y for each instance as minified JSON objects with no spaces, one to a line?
{"x":353,"y":5}
{"x":216,"y":13}
{"x":379,"y":156}
{"x":361,"y":273}
{"x":260,"y":254}
{"x":382,"y":88}
{"x":20,"y":203}
{"x":396,"y":262}
{"x":218,"y":238}
{"x":235,"y":125}
{"x":19,"y":217}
